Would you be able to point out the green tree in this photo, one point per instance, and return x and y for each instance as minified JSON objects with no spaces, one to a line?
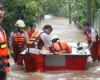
{"x":27,"y":10}
{"x":31,"y":10}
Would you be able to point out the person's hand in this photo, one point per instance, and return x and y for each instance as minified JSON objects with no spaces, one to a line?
{"x":89,"y":47}
{"x":52,"y":50}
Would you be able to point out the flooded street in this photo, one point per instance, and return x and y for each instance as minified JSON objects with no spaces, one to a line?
{"x":67,"y":32}
{"x":64,"y":30}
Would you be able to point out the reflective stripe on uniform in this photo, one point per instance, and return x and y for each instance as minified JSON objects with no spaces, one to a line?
{"x":18,"y":40}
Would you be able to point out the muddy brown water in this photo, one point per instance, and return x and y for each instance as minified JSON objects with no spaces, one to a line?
{"x":67,"y":32}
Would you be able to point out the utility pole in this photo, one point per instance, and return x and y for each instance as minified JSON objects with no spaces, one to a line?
{"x":69,"y":6}
{"x":88,"y":10}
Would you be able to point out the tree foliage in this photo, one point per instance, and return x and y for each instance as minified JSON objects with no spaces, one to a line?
{"x":27,"y":10}
{"x":31,"y":10}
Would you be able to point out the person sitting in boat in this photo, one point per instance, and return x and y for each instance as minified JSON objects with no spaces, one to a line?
{"x":60,"y":46}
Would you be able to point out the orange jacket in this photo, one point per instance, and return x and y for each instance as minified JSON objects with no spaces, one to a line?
{"x":61,"y":47}
{"x":3,"y":44}
{"x":35,"y":40}
{"x":19,"y":40}
{"x":4,"y":51}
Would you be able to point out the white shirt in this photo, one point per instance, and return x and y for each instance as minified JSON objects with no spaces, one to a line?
{"x":93,"y":34}
{"x":46,"y":39}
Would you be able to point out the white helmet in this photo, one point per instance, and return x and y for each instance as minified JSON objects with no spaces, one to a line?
{"x":54,"y":37}
{"x":20,"y":23}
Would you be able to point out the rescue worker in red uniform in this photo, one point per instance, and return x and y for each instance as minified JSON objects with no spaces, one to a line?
{"x":91,"y":36}
{"x":60,"y":46}
{"x":18,"y":41}
{"x":98,"y":48}
{"x":4,"y":51}
{"x":34,"y":42}
{"x":43,"y":40}
{"x":33,"y":35}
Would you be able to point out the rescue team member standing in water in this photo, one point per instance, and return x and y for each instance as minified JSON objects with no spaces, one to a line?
{"x":91,"y":36}
{"x":18,"y":41}
{"x":43,"y":40}
{"x":4,"y":51}
{"x":33,"y":35}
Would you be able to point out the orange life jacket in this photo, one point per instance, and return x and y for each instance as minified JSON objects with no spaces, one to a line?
{"x":30,"y":32}
{"x":61,"y":47}
{"x":35,"y":40}
{"x":3,"y":44}
{"x":4,"y":51}
{"x":19,"y":40}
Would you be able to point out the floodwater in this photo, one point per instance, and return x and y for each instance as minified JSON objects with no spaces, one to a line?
{"x":64,"y":30}
{"x":67,"y":32}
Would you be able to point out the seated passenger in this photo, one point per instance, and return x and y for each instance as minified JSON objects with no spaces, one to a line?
{"x":60,"y":46}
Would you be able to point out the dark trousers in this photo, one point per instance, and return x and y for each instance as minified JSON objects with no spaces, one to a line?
{"x":18,"y":58}
{"x":2,"y":69}
{"x":93,"y":50}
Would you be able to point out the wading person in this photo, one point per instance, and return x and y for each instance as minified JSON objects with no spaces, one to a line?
{"x":43,"y":40}
{"x":34,"y":42}
{"x":4,"y":51}
{"x":91,"y":37}
{"x":18,"y":42}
